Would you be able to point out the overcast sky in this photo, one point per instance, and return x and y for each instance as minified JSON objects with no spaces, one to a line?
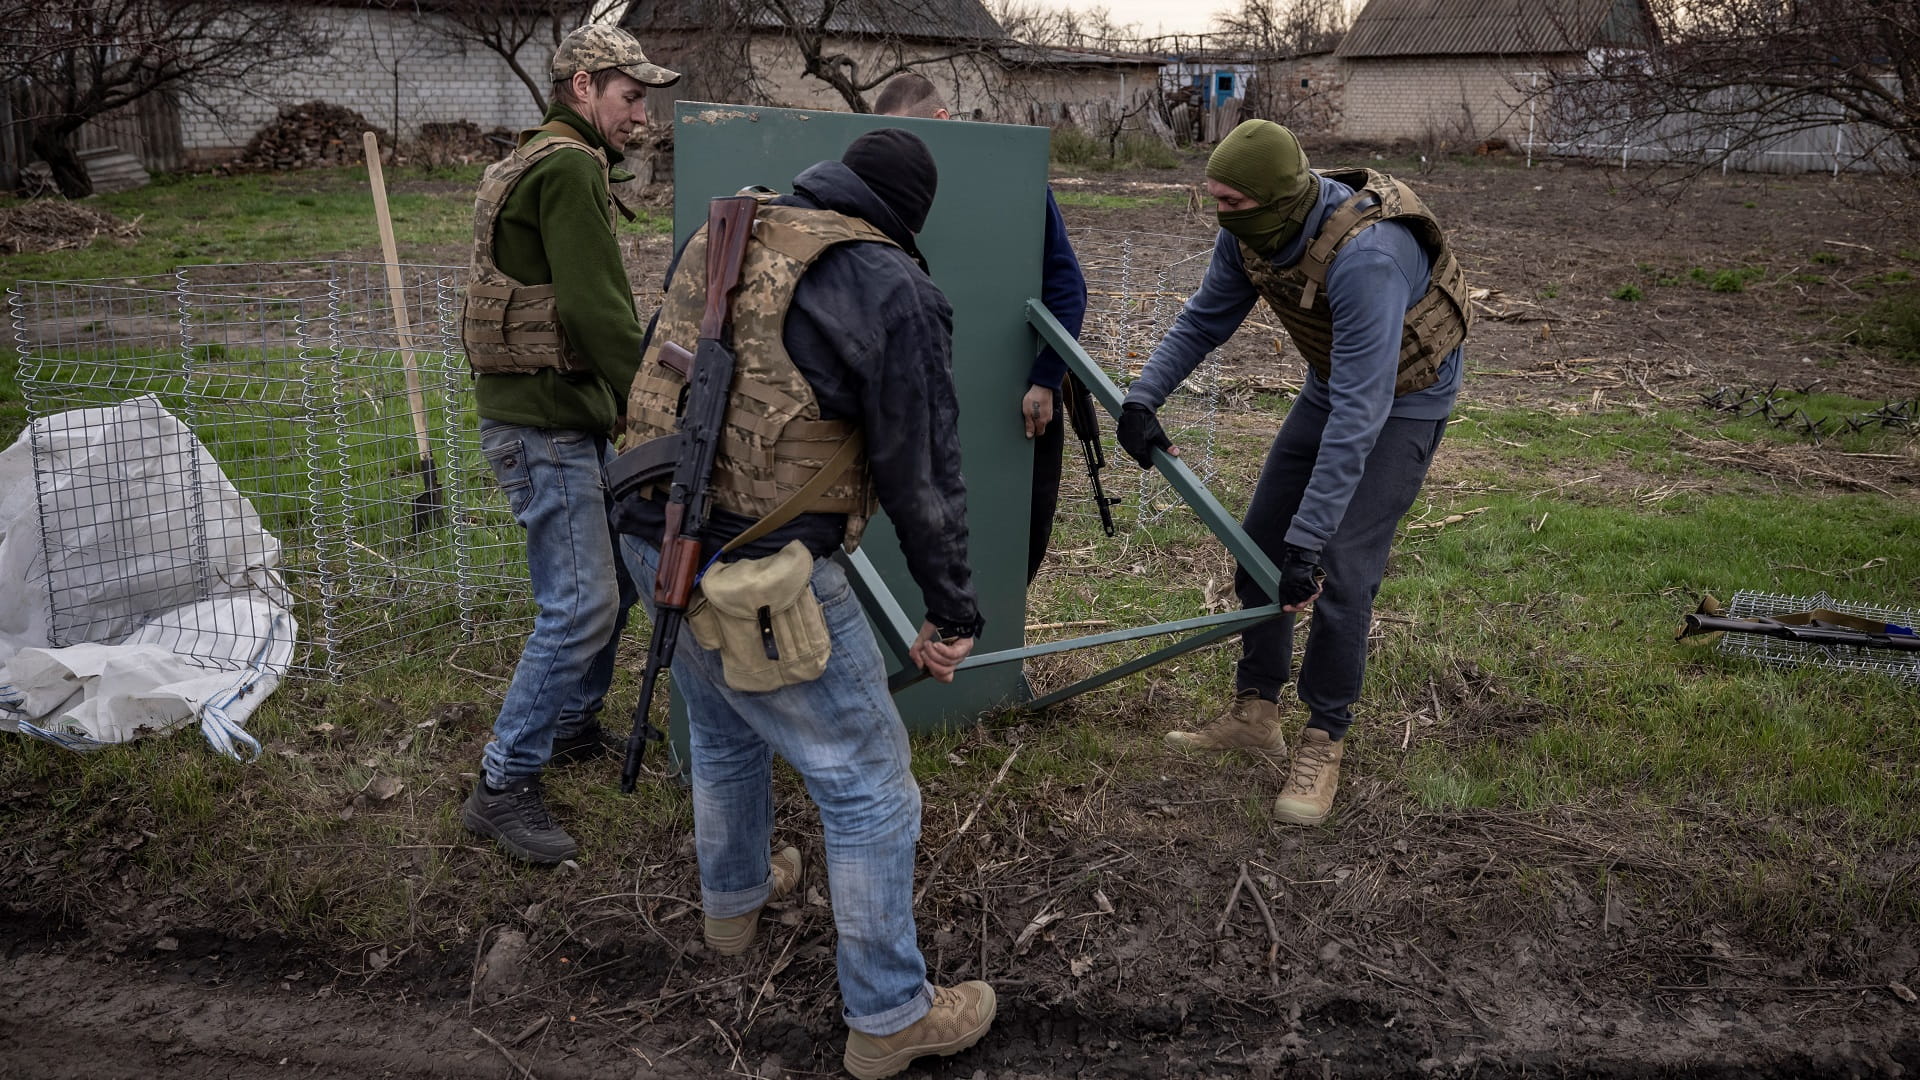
{"x":1154,"y":16}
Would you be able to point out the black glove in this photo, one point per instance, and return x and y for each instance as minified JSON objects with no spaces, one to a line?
{"x":1300,"y":574}
{"x":1140,"y":432}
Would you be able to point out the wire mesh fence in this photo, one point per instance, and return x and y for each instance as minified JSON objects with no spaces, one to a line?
{"x":1137,"y":283}
{"x":1748,"y":604}
{"x":285,"y":430}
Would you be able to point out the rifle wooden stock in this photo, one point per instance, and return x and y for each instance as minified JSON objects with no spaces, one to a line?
{"x":729,"y":224}
{"x":679,"y":565}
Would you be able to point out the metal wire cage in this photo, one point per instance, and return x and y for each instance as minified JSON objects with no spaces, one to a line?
{"x":308,"y":406}
{"x":1772,"y":650}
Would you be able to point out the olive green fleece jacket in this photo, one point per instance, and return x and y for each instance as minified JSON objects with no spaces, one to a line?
{"x":553,"y":229}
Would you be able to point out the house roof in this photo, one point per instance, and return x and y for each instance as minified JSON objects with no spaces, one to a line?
{"x":1495,"y":27}
{"x":925,"y":20}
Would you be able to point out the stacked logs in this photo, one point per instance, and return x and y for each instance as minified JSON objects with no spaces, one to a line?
{"x":309,"y":135}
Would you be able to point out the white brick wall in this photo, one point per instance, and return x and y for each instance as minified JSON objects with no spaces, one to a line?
{"x":393,"y":68}
{"x":1455,"y":100}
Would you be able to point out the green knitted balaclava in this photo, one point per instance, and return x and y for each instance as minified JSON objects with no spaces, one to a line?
{"x":1263,"y":160}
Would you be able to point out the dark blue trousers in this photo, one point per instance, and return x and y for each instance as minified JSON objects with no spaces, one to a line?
{"x":1355,"y":559}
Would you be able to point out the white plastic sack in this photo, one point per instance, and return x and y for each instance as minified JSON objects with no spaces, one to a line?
{"x":124,"y":489}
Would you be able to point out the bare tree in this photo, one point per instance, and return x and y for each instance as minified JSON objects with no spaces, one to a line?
{"x":506,"y":27}
{"x":90,"y":57}
{"x":894,"y":33}
{"x":1282,"y":28}
{"x":1033,"y":22}
{"x":1734,"y":76}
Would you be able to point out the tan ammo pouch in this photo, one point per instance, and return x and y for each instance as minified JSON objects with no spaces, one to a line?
{"x":514,"y":329}
{"x":761,"y":615}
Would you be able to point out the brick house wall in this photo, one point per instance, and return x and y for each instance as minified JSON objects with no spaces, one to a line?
{"x":1307,"y":94}
{"x":397,"y":70}
{"x":1450,"y":100}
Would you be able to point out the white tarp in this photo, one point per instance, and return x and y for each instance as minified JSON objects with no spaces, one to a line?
{"x":159,"y":564}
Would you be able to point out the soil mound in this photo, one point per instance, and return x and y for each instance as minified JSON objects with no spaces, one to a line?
{"x":55,"y":225}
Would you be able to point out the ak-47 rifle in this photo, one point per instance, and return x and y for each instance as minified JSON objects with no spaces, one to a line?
{"x":692,"y":451}
{"x":1817,"y":627}
{"x":1086,"y":428}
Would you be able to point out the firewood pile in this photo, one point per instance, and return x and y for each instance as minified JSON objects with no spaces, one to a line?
{"x":459,"y":142}
{"x":56,"y":225}
{"x":307,"y":136}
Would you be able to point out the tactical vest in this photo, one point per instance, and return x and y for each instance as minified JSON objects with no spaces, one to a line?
{"x":510,"y":328}
{"x":774,"y":439}
{"x":1435,"y":325}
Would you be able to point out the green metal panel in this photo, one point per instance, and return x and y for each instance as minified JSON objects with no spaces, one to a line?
{"x":982,"y":242}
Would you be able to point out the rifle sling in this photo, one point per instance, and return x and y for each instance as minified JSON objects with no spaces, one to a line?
{"x":796,"y":504}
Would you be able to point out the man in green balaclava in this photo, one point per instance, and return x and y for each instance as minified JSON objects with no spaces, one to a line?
{"x":1262,"y":171}
{"x":1358,"y":271}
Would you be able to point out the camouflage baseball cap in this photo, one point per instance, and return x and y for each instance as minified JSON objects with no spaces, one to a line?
{"x":597,"y":48}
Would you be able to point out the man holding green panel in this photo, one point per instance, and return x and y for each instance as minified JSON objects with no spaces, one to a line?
{"x":842,"y":393}
{"x":1359,"y":272}
{"x":1063,"y":289}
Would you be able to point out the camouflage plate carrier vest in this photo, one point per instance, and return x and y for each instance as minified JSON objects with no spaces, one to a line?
{"x":774,"y":440}
{"x":510,"y":328}
{"x":1435,"y":325}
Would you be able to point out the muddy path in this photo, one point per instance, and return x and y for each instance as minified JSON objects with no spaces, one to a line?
{"x":200,"y":1004}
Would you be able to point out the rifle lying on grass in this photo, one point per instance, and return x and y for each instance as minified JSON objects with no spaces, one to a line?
{"x":1816,"y":627}
{"x":1086,"y":428}
{"x":691,"y":452}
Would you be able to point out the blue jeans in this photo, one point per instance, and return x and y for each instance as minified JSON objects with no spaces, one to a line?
{"x":553,"y":483}
{"x":844,"y":737}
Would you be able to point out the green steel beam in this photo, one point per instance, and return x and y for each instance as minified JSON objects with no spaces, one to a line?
{"x":890,"y":622}
{"x":1184,"y":482}
{"x":1094,"y":682}
{"x":1217,"y":626}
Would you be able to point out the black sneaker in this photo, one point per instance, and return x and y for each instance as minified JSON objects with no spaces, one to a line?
{"x":590,"y":743}
{"x":517,"y":818}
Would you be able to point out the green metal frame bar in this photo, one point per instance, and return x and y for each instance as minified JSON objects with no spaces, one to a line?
{"x":897,"y":630}
{"x":1195,"y":494}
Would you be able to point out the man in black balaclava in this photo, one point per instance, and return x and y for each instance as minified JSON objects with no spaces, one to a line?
{"x":836,"y":314}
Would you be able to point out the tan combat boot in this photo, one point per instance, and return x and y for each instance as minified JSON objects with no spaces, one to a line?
{"x":1250,"y":723}
{"x":1308,"y":797}
{"x":960,"y":1015}
{"x":731,"y":936}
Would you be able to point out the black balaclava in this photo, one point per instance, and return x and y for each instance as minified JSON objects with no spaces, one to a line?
{"x":897,"y":166}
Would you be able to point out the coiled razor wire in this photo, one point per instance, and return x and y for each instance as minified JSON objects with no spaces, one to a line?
{"x":1779,"y":651}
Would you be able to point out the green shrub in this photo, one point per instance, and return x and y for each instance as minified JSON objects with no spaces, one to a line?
{"x":1628,"y":293}
{"x":1892,"y":324}
{"x":1073,"y":146}
{"x":1734,"y":280}
{"x":1826,"y":258}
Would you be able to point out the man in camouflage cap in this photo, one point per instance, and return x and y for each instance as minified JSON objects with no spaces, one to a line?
{"x":553,"y":338}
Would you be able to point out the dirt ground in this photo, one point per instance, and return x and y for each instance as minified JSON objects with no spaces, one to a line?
{"x":1138,"y":928}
